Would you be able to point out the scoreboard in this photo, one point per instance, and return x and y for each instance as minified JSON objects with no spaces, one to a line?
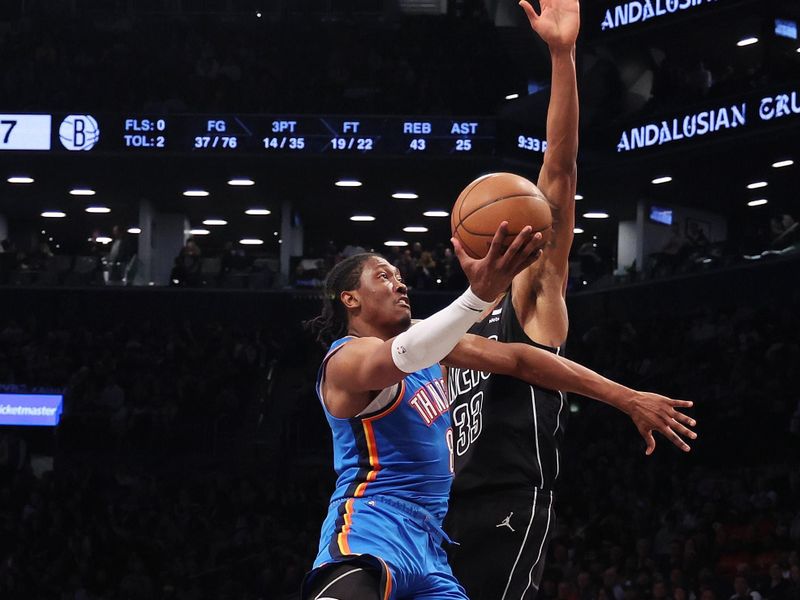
{"x":266,"y":135}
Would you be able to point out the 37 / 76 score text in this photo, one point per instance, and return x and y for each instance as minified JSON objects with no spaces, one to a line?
{"x":213,"y":140}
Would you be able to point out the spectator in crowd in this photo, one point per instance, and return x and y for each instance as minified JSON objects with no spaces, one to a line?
{"x":187,"y":269}
{"x":742,"y":590}
{"x":784,"y":232}
{"x":666,"y":260}
{"x":119,"y":263}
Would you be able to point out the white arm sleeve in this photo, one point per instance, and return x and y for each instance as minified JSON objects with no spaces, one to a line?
{"x":430,"y":340}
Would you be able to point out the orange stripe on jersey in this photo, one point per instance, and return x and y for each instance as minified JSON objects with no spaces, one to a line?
{"x":372,"y":446}
{"x":388,"y":591}
{"x":401,"y":390}
{"x":344,"y":545}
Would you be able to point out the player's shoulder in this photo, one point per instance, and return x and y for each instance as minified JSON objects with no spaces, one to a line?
{"x":350,"y":345}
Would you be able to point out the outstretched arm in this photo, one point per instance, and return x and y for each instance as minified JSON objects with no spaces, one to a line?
{"x":558,"y":26}
{"x":649,"y":412}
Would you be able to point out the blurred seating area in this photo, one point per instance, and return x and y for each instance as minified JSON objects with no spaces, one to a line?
{"x":193,"y":461}
{"x":237,"y":62}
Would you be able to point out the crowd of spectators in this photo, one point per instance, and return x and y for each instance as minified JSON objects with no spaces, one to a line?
{"x":722,"y":523}
{"x":146,"y":376}
{"x":420,"y":268}
{"x":137,"y":505}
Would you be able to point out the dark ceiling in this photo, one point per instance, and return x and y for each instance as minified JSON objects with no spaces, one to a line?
{"x":708,"y":174}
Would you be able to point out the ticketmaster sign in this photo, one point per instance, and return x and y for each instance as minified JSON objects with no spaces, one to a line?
{"x":43,"y":410}
{"x":639,"y":11}
{"x":712,"y":121}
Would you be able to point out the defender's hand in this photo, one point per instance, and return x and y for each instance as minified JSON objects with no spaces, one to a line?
{"x":653,"y":412}
{"x":559,"y":23}
{"x":491,"y":275}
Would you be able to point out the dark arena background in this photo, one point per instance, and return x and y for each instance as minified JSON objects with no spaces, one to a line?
{"x":178,"y":176}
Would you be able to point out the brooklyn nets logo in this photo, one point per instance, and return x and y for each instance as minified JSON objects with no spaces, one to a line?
{"x":79,"y":132}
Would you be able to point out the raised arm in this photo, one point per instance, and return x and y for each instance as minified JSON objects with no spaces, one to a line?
{"x":649,"y":412}
{"x":558,"y":26}
{"x":540,"y":290}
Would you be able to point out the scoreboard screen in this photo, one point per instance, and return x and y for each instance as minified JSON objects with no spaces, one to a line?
{"x":248,"y":134}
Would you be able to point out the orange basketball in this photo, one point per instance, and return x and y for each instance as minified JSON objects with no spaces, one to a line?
{"x":492,"y":199}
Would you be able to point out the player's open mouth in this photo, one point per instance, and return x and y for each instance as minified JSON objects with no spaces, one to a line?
{"x":404,"y":302}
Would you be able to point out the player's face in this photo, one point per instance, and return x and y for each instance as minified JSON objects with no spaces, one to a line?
{"x":383,"y":294}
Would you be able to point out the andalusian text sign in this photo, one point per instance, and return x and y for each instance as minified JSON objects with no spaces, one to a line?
{"x":711,"y":121}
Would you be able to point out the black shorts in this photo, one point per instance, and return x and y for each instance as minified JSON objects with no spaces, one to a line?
{"x":503,"y":540}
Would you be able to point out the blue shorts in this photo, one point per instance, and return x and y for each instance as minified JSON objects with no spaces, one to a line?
{"x":400,"y":538}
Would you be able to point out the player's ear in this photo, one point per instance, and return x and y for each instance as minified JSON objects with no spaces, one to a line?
{"x":350,"y":299}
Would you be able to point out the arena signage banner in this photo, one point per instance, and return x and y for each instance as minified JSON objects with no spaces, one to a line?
{"x":639,"y":11}
{"x":43,"y":410}
{"x":708,"y":122}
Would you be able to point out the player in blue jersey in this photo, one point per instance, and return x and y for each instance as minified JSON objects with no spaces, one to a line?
{"x":384,"y":397}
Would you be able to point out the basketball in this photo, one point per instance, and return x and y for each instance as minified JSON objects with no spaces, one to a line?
{"x":492,"y":199}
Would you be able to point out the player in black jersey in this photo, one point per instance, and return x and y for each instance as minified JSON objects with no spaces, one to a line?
{"x":507,"y":433}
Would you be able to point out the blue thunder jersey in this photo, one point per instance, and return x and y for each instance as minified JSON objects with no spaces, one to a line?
{"x":400,"y":446}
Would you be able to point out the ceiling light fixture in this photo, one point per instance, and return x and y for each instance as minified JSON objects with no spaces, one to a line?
{"x":195,"y":193}
{"x":251,"y":242}
{"x":215,"y":222}
{"x":405,"y":196}
{"x":660,"y":180}
{"x":82,"y":192}
{"x":578,"y":197}
{"x":20,"y":179}
{"x":241,"y":182}
{"x":98,"y":210}
{"x":395,"y":243}
{"x":782,"y":163}
{"x":577,"y":230}
{"x":747,"y":42}
{"x":436,"y":213}
{"x":54,"y":214}
{"x":348,"y":183}
{"x":759,"y":202}
{"x":134,"y":230}
{"x":258,"y":211}
{"x":415,"y":229}
{"x":512,"y":96}
{"x":757,"y":185}
{"x":362,"y":218}
{"x":595,"y":215}
{"x":199,"y":232}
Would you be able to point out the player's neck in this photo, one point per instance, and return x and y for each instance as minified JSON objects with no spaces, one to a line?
{"x":360,"y":328}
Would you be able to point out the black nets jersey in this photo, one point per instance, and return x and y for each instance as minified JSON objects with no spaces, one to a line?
{"x":506,"y":433}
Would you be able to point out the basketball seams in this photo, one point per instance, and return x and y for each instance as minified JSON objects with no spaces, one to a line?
{"x":465,"y":194}
{"x":494,"y":200}
{"x":463,"y":226}
{"x":459,"y":205}
{"x":516,"y":187}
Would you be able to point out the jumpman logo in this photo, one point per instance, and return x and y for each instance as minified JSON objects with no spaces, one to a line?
{"x":507,"y":522}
